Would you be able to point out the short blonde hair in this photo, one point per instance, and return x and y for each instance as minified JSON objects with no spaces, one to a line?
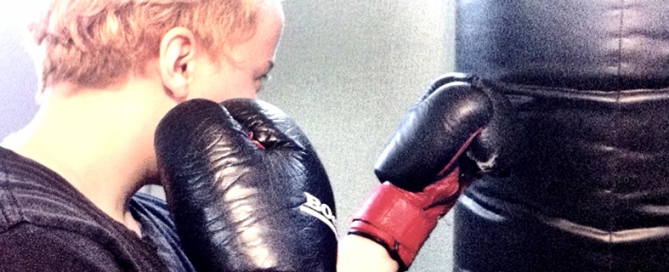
{"x":94,"y":43}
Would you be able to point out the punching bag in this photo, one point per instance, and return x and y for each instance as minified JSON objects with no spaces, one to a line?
{"x":590,"y":82}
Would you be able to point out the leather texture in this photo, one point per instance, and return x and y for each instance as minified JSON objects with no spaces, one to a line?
{"x":433,"y":133}
{"x":604,"y":45}
{"x":457,"y":115}
{"x":245,"y":188}
{"x":419,"y":167}
{"x":590,"y":83}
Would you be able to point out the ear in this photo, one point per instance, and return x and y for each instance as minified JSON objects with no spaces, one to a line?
{"x":177,"y":52}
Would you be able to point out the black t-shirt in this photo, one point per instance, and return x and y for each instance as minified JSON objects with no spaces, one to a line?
{"x":47,"y":225}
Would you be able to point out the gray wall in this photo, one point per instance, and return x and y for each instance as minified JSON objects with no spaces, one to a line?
{"x":346,"y":71}
{"x":18,"y":81}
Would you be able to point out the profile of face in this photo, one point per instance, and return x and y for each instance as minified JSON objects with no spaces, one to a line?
{"x":241,"y":73}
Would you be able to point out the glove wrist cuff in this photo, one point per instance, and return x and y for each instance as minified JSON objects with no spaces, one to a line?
{"x":391,"y":217}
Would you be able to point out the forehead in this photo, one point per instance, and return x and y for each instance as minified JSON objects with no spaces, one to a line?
{"x":270,"y":15}
{"x":268,"y":30}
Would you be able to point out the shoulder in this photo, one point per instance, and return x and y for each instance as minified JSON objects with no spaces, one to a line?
{"x":30,"y":192}
{"x":41,"y":213}
{"x":28,"y":247}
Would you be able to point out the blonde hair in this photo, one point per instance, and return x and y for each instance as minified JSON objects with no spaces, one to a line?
{"x":94,"y":43}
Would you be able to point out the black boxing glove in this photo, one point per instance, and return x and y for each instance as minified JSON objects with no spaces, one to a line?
{"x":456,"y":108}
{"x":420,"y":165}
{"x":245,"y":188}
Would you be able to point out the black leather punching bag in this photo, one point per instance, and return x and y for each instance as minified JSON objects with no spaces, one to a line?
{"x":590,"y":82}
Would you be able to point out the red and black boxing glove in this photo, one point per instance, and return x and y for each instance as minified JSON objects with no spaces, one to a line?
{"x":245,"y":188}
{"x":420,"y":167}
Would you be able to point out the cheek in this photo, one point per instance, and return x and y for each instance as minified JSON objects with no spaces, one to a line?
{"x":230,"y":82}
{"x":248,"y":91}
{"x":239,"y":87}
{"x":246,"y":86}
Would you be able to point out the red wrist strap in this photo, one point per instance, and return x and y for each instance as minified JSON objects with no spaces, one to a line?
{"x":400,"y":220}
{"x":390,"y":218}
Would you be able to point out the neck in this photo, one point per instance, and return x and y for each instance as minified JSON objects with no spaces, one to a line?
{"x":100,"y":141}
